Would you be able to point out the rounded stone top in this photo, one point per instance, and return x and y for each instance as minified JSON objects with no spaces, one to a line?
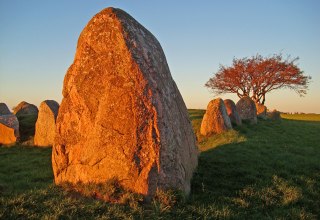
{"x":229,"y":104}
{"x":52,"y":105}
{"x":247,"y":109}
{"x":4,"y":110}
{"x":25,"y":108}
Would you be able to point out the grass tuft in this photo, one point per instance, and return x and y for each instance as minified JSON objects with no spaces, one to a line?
{"x":165,"y":200}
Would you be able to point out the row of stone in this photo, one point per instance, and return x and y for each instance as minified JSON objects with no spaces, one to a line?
{"x":44,"y":128}
{"x":220,"y":115}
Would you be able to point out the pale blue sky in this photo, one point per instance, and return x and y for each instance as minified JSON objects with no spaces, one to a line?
{"x":38,"y":41}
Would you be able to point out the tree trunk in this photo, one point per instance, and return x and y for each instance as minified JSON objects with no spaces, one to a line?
{"x":263,"y":99}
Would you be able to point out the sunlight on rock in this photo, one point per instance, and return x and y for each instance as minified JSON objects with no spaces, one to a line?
{"x":122,"y":115}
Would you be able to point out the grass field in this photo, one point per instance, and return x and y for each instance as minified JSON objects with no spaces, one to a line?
{"x":302,"y":117}
{"x":265,"y":171}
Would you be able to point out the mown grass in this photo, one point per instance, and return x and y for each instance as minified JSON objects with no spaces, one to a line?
{"x":265,"y":171}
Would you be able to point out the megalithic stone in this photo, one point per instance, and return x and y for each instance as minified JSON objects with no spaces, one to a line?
{"x":46,"y":123}
{"x":122,"y":115}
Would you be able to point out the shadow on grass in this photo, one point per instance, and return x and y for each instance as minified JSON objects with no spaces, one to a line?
{"x":274,"y":173}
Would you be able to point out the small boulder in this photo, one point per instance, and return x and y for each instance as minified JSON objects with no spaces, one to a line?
{"x":232,"y":112}
{"x":261,"y":111}
{"x":216,"y":119}
{"x":274,"y":115}
{"x":4,"y":110}
{"x":247,"y":109}
{"x":9,"y":129}
{"x":46,"y":123}
{"x":25,"y":108}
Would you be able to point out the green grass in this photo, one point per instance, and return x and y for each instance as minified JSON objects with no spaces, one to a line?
{"x":265,"y":171}
{"x":302,"y":117}
{"x":23,"y":168}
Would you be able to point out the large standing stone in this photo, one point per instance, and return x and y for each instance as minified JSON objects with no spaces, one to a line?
{"x":232,"y":112}
{"x":261,"y":111}
{"x":216,"y":119}
{"x":9,"y":129}
{"x":46,"y":123}
{"x":4,"y":110}
{"x":247,"y":109}
{"x":122,"y":115}
{"x":24,"y":108}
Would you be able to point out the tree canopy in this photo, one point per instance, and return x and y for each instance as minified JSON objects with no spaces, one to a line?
{"x":258,"y":75}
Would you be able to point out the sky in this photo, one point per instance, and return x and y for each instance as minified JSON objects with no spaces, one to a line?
{"x":38,"y":41}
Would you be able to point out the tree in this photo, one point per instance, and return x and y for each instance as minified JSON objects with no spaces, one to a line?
{"x":256,"y":76}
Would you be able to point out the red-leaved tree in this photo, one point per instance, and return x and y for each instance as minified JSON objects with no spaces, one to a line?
{"x":256,"y":76}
